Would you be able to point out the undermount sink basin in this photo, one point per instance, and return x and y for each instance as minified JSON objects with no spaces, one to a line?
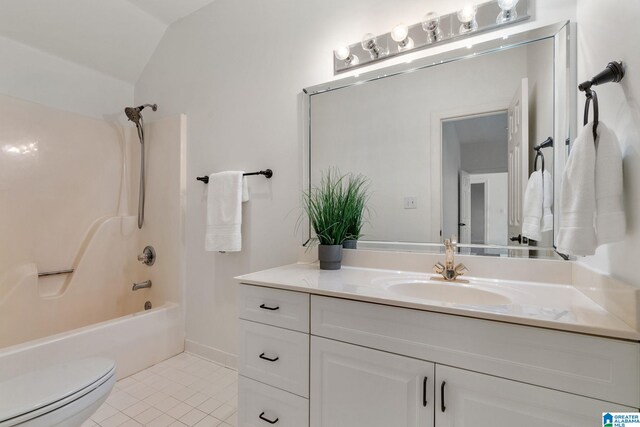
{"x":452,"y":293}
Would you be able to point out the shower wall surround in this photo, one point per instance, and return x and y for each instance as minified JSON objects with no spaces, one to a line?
{"x":66,"y":197}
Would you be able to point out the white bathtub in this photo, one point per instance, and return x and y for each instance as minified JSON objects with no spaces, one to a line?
{"x":135,"y":342}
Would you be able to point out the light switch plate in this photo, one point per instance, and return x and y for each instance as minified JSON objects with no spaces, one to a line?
{"x":410,"y":203}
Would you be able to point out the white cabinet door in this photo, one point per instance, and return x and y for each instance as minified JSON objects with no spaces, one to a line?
{"x":469,"y":399}
{"x":354,"y":386}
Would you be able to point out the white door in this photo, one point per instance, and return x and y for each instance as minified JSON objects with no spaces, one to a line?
{"x":469,"y":399}
{"x":464,"y":218}
{"x":353,"y":386}
{"x":518,"y":166}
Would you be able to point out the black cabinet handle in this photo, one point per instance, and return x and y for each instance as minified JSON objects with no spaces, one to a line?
{"x":424,"y":391}
{"x":442,"y":407}
{"x":263,"y":418}
{"x":262,"y":356}
{"x":266,"y":307}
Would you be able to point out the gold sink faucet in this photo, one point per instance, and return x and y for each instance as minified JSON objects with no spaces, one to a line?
{"x":449,"y":270}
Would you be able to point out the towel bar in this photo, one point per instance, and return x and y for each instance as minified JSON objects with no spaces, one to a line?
{"x":268,"y":173}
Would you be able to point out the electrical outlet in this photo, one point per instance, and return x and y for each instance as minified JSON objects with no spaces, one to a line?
{"x":410,"y":203}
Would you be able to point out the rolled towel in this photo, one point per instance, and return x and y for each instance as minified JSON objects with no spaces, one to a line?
{"x":577,"y":235}
{"x":610,"y":216}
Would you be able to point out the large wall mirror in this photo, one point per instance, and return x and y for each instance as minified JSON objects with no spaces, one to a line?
{"x":449,"y":143}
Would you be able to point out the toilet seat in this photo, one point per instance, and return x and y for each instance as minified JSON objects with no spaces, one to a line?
{"x":37,"y":393}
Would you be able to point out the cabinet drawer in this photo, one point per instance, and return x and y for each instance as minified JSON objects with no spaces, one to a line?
{"x":256,"y":400}
{"x":601,"y":368}
{"x":275,"y":356}
{"x":286,"y":309}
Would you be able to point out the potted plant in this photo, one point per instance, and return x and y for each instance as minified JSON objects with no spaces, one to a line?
{"x":325,"y":207}
{"x":355,"y":206}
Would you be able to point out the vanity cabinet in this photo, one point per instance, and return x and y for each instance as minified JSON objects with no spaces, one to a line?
{"x":335,"y":362}
{"x":356,"y":386}
{"x":470,"y":399}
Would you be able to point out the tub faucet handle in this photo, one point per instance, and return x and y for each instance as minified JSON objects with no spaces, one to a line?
{"x":148,"y":256}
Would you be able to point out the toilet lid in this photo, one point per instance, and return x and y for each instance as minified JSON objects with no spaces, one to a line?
{"x":52,"y":387}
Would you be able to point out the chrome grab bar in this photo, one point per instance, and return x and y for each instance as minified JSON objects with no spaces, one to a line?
{"x":55,"y":273}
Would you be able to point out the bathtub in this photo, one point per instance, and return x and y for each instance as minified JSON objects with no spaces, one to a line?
{"x":135,"y":341}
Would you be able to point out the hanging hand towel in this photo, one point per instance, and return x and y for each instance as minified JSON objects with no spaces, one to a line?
{"x":225,"y":194}
{"x":547,"y":203}
{"x":610,"y":217}
{"x":577,"y":235}
{"x":532,"y":207}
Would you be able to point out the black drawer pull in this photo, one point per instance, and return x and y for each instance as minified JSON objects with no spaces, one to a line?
{"x":262,"y":356}
{"x":424,"y":391}
{"x":442,"y":407}
{"x":262,"y":417}
{"x":266,"y":307}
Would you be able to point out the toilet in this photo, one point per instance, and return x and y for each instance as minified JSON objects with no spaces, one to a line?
{"x":63,"y":395}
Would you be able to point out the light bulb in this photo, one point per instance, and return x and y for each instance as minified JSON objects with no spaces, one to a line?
{"x":342,"y":52}
{"x":399,"y":33}
{"x":431,"y":25}
{"x":370,"y":44}
{"x":507,"y":4}
{"x":467,"y":13}
{"x":508,"y":11}
{"x":467,"y":16}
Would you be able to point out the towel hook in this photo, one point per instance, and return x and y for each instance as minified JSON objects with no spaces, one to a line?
{"x":614,"y":72}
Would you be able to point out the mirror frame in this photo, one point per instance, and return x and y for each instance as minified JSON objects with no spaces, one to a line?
{"x":564,"y":121}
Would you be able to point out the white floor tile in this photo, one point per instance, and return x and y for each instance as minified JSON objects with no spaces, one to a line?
{"x":163,"y":420}
{"x":209,"y":421}
{"x":223,"y":412}
{"x":182,"y":391}
{"x":115,"y":420}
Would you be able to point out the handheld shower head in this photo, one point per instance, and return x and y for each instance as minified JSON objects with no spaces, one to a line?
{"x":133,"y":113}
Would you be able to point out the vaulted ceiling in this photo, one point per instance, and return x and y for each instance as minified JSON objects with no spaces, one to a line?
{"x":115,"y":37}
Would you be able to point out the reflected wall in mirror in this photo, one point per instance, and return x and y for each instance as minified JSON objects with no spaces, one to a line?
{"x":448,"y":148}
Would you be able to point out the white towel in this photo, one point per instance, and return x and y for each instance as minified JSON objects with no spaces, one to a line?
{"x":577,"y":235}
{"x":610,"y":217}
{"x":532,"y":207}
{"x":537,"y":216}
{"x":225,"y":194}
{"x":547,"y":203}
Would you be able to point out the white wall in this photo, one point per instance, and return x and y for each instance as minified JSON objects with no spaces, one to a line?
{"x":236,"y":68}
{"x":606,"y":32}
{"x":40,"y":77}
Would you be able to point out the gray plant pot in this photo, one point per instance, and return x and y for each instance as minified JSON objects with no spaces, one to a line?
{"x":330,"y":257}
{"x":350,"y":244}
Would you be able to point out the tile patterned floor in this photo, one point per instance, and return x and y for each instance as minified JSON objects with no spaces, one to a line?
{"x":182,"y":391}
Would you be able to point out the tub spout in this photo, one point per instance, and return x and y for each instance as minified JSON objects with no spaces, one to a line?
{"x":141,"y":285}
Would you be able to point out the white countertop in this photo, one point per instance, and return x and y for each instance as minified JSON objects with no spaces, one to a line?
{"x":554,"y":306}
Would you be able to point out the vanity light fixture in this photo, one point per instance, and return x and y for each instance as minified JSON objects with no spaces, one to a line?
{"x":434,"y":29}
{"x":431,"y":26}
{"x":343,"y":53}
{"x":400,"y":35}
{"x":467,"y":18}
{"x":370,"y":44}
{"x":508,"y":11}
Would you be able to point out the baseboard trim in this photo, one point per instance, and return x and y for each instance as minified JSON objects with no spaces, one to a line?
{"x":223,"y":358}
